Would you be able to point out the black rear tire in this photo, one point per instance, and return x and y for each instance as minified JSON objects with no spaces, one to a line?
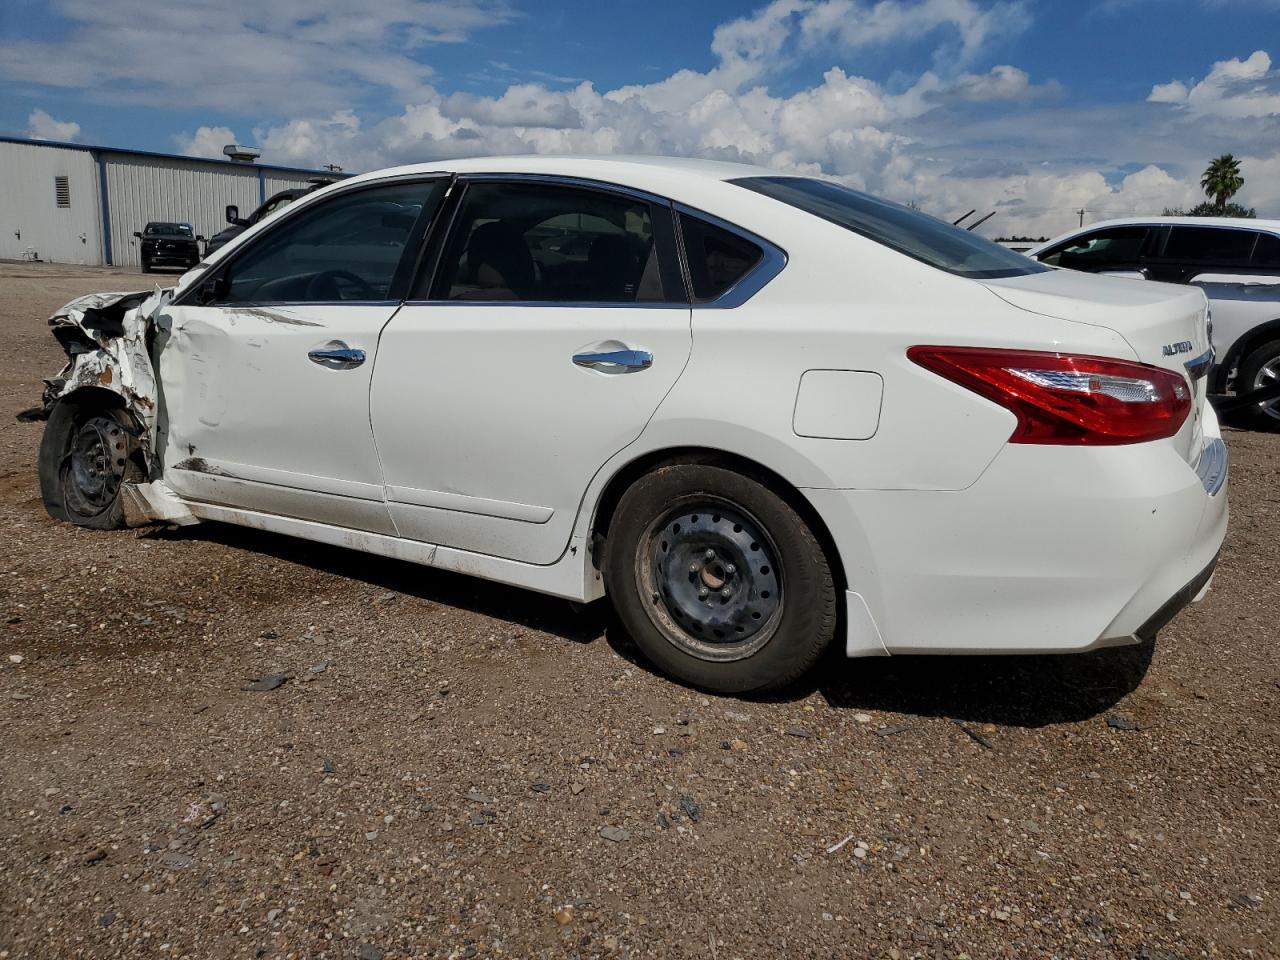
{"x":719,"y":580}
{"x":86,"y":457}
{"x":1261,"y":368}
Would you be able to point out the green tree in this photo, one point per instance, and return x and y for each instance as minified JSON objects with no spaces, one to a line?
{"x":1208,"y":209}
{"x":1222,"y":180}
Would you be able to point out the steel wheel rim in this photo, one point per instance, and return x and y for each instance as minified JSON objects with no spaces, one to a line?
{"x":709,"y":574}
{"x":94,"y":465}
{"x":1269,"y":376}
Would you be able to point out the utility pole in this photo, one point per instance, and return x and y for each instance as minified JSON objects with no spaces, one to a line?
{"x":1081,"y":211}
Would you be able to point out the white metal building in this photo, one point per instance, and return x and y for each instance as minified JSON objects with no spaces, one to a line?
{"x":71,"y":203}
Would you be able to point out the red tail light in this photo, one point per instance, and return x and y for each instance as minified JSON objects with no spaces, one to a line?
{"x":1066,"y":399}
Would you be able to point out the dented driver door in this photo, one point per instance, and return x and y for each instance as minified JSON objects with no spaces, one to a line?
{"x":265,"y":385}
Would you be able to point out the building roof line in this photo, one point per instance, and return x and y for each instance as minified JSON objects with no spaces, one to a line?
{"x":127,"y":151}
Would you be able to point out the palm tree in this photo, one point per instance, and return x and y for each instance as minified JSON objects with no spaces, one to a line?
{"x":1222,"y":180}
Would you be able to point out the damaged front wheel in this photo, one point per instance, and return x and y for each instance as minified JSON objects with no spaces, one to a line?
{"x":87,"y":454}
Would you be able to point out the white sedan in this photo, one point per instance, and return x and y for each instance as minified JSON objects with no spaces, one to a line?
{"x":761,"y":412}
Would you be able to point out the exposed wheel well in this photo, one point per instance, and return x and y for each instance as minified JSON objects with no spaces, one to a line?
{"x":624,"y":478}
{"x":98,"y":397}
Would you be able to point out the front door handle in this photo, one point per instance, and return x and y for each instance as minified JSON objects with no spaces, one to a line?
{"x":337,"y":356}
{"x":615,"y":360}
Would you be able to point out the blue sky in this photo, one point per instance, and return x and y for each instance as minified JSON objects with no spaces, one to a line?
{"x":1029,"y":108}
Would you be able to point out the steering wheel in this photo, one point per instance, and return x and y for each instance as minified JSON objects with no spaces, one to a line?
{"x":324,"y":286}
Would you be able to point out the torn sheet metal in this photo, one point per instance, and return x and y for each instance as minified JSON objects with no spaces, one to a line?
{"x":106,"y":336}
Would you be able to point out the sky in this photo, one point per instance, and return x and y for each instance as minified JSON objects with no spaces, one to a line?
{"x":1034,"y":110}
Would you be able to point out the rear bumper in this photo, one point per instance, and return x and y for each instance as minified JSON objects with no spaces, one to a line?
{"x":1052,"y":550}
{"x":1189,"y":594}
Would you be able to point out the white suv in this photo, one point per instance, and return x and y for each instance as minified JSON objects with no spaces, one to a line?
{"x":1237,"y":264}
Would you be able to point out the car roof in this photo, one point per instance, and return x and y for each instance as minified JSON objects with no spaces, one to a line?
{"x":1272,"y":226}
{"x":635,"y":171}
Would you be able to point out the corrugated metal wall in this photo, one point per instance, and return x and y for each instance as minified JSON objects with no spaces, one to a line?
{"x":31,"y":220}
{"x":139,"y":189}
{"x":142,"y":189}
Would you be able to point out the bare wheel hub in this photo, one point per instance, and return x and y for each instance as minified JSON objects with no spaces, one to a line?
{"x":711,"y":574}
{"x":94,"y":465}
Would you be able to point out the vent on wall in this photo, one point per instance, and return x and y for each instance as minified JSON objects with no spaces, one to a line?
{"x":62,"y":190}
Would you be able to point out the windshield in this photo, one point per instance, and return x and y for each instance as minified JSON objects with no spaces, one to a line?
{"x":900,"y":228}
{"x":169,"y":229}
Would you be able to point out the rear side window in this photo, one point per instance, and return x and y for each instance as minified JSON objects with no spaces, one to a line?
{"x":900,"y":228}
{"x":1100,"y":249}
{"x":547,"y":243}
{"x":347,"y":247}
{"x":1267,"y":251}
{"x":1209,"y":245}
{"x":717,"y":258}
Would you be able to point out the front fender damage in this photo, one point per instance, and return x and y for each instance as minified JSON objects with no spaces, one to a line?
{"x":108,"y":339}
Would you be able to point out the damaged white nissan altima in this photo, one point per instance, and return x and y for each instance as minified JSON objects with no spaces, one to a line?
{"x":761,"y":412}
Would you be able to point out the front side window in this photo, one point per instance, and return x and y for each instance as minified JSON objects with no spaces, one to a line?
{"x":900,"y":228}
{"x":1209,"y":245}
{"x":346,"y":248}
{"x":537,"y":242}
{"x":717,"y":258}
{"x":1100,"y":249}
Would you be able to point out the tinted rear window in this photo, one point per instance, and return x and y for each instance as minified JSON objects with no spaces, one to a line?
{"x":900,"y":228}
{"x":1267,"y":252}
{"x":1209,"y":244}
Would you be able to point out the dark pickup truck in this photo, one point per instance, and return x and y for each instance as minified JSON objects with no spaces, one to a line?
{"x":168,"y":245}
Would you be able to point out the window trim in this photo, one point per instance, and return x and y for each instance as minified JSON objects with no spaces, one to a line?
{"x":401,"y":275}
{"x":771,"y":263}
{"x":423,"y":290}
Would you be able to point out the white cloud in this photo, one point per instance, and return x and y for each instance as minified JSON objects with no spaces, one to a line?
{"x":967,"y":27}
{"x":205,"y":142}
{"x":41,"y":126}
{"x":1233,"y":88}
{"x":245,"y":55}
{"x":960,"y":135}
{"x":931,"y":143}
{"x":1174,"y":91}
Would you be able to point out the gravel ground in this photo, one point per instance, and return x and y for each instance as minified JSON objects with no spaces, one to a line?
{"x":457,"y":769}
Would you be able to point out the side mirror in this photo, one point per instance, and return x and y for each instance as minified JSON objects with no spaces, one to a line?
{"x":212,"y":290}
{"x":200,"y":237}
{"x":233,"y":216}
{"x":137,"y":234}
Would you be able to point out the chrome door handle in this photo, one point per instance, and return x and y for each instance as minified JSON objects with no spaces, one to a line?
{"x":337,"y":356}
{"x":615,"y":360}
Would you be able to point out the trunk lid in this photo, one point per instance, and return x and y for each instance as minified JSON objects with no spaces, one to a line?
{"x":1164,"y":324}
